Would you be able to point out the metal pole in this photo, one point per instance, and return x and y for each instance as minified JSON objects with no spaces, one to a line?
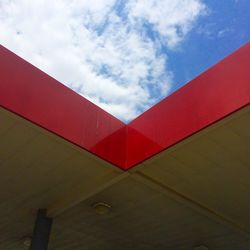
{"x":41,"y":233}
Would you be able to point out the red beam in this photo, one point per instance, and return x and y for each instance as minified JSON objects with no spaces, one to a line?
{"x":37,"y":97}
{"x":218,"y":92}
{"x":32,"y":94}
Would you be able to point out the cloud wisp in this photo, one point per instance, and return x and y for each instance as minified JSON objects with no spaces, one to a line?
{"x":111,"y":52}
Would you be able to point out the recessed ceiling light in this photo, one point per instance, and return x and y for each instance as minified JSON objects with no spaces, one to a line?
{"x":26,"y":241}
{"x":102,"y":208}
{"x":200,"y":248}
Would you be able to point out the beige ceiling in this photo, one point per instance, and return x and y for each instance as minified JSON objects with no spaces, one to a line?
{"x":195,"y":193}
{"x":210,"y":169}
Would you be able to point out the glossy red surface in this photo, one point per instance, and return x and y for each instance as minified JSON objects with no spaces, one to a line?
{"x":216,"y":93}
{"x":32,"y":94}
{"x":37,"y":97}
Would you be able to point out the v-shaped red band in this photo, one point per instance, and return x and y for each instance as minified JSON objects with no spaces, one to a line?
{"x":37,"y":97}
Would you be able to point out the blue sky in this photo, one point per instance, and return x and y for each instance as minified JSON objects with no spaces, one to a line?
{"x":216,"y":35}
{"x":124,"y":55}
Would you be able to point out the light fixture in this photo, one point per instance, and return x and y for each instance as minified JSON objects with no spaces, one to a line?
{"x":102,"y":207}
{"x":200,"y":248}
{"x":26,"y":241}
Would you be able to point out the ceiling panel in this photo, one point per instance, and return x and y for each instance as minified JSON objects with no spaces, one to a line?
{"x":212,"y":168}
{"x":40,"y":170}
{"x":140,"y":218}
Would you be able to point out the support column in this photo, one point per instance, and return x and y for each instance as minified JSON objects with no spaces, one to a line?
{"x":41,"y":233}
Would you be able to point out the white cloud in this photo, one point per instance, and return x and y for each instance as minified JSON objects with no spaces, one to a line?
{"x":103,"y":55}
{"x":171,"y":19}
{"x":222,"y":33}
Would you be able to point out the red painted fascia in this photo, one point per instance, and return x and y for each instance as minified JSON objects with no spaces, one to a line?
{"x":35,"y":96}
{"x":215,"y":94}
